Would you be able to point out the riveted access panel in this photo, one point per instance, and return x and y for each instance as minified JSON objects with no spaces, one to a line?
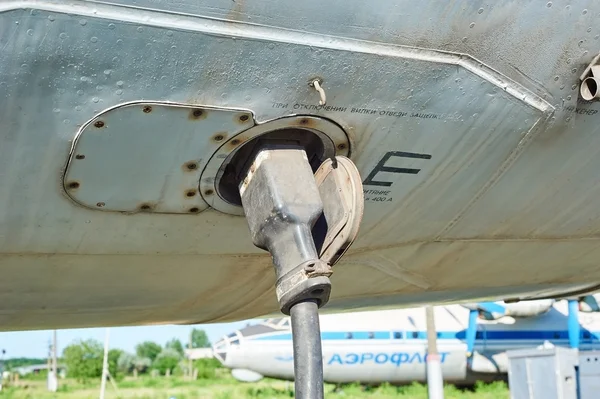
{"x":148,"y":156}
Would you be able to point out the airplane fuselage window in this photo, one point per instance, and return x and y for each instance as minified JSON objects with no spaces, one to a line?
{"x":349,"y":336}
{"x":398,"y":335}
{"x":371,"y":335}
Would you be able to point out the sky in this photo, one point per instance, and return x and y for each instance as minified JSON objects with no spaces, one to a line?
{"x":35,"y":343}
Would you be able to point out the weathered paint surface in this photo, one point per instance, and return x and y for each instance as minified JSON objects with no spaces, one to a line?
{"x":475,"y":104}
{"x":119,"y":160}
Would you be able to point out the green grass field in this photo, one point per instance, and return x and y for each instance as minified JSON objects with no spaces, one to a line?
{"x":225,"y":387}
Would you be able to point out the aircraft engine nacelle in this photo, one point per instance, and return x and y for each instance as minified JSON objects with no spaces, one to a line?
{"x":528,"y":308}
{"x":497,"y":310}
{"x":590,"y":303}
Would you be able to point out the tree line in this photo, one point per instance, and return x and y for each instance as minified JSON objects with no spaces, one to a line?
{"x":16,"y":362}
{"x":83,"y":359}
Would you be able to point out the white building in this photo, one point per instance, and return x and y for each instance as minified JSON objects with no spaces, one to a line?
{"x":199,"y":353}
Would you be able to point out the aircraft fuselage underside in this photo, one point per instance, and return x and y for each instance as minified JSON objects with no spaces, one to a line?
{"x":118,"y":120}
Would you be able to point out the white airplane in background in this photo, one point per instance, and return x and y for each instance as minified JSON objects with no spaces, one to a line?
{"x":391,"y":345}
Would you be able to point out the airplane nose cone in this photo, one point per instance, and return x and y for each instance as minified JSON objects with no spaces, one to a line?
{"x":220,"y":349}
{"x":234,"y":341}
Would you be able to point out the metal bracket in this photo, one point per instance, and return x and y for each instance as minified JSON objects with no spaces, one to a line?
{"x":316,"y":83}
{"x":590,"y":80}
{"x":341,"y":191}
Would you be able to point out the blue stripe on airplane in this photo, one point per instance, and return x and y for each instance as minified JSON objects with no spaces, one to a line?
{"x":330,"y":335}
{"x":487,"y":335}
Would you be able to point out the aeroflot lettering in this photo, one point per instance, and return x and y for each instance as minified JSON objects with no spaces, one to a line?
{"x":382,"y":358}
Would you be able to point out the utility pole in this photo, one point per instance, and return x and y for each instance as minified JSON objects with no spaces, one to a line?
{"x":52,"y":366}
{"x":49,"y":356}
{"x":435,"y":380}
{"x":2,"y":368}
{"x":104,"y":366}
{"x":54,"y":356}
{"x":190,"y":355}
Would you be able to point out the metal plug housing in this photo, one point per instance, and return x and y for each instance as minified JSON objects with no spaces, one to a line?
{"x":281,"y":202}
{"x":306,"y":222}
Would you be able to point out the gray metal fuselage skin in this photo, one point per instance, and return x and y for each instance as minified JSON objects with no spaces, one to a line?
{"x":479,"y":161}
